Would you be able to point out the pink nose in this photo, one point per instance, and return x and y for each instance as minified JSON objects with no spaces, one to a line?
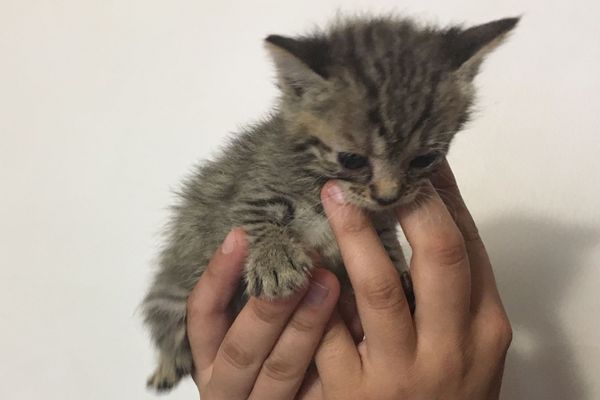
{"x":389,"y":195}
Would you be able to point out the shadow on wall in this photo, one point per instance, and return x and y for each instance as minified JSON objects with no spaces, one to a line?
{"x":535,"y":261}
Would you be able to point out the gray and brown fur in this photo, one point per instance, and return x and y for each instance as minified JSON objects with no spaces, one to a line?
{"x":383,"y":88}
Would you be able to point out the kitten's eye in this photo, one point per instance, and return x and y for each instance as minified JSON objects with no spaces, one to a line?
{"x":424,"y":161}
{"x":352,"y":161}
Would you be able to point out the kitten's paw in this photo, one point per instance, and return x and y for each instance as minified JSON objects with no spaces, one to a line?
{"x":163,"y":379}
{"x":170,"y":372}
{"x":277,"y":270}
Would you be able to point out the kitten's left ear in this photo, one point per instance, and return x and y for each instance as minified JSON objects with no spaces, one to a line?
{"x":301,"y":63}
{"x":467,"y":48}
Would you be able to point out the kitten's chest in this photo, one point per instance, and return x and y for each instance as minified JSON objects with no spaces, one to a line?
{"x":314,"y":230}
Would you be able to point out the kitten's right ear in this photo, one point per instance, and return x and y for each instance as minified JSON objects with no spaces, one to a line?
{"x":301,"y":63}
{"x":467,"y":48}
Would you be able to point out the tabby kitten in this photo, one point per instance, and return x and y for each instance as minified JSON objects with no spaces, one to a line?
{"x":370,"y":102}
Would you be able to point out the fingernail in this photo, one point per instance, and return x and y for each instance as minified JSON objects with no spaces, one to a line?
{"x":317,"y":293}
{"x":228,"y":244}
{"x":335,"y":192}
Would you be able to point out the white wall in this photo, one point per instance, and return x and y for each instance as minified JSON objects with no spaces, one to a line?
{"x":105,"y":105}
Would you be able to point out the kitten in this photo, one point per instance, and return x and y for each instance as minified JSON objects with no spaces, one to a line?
{"x":371,"y":102}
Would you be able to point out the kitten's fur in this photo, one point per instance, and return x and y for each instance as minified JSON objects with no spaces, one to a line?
{"x":382,"y":88}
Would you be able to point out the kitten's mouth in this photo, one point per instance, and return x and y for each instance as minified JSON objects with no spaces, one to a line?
{"x":362,"y":198}
{"x":401,"y":201}
{"x":370,"y":204}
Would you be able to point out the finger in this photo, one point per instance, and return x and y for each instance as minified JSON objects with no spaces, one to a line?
{"x":207,"y":304}
{"x":283,"y":371}
{"x":349,"y":314}
{"x":496,"y":385}
{"x":439,"y":267}
{"x":248,"y":343}
{"x":380,"y":299}
{"x":312,"y":388}
{"x":337,"y":359}
{"x":483,"y":283}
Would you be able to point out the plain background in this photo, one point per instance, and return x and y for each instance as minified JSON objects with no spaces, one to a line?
{"x":106,"y":105}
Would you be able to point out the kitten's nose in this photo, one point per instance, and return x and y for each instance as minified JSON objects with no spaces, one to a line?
{"x":385,"y":193}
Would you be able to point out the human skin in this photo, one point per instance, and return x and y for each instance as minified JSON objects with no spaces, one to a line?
{"x":305,"y":347}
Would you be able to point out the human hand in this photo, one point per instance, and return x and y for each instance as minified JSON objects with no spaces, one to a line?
{"x":454,"y":347}
{"x":265,"y":351}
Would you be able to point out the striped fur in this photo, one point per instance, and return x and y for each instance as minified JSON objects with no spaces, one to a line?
{"x":382,"y":88}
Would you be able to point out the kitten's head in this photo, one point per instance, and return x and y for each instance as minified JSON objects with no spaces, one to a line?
{"x":376,"y":102}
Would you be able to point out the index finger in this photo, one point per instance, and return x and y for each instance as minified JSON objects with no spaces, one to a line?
{"x":439,"y":267}
{"x":483,"y":283}
{"x":380,"y":298}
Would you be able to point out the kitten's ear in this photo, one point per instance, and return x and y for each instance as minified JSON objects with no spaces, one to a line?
{"x":467,"y":48}
{"x":300,"y":63}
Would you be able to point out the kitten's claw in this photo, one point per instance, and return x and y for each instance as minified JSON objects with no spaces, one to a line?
{"x":277,"y":271}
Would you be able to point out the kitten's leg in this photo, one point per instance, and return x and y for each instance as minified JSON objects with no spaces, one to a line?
{"x":277,"y":263}
{"x":165,"y":314}
{"x":391,"y":244}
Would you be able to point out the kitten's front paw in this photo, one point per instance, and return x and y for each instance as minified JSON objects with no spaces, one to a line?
{"x":276,"y":270}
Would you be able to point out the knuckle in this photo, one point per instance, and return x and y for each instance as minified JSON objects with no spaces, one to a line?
{"x":449,"y":253}
{"x":499,"y":333}
{"x":382,"y":293}
{"x":301,"y":325}
{"x":235,"y":355}
{"x":267,"y":312}
{"x":280,"y":369}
